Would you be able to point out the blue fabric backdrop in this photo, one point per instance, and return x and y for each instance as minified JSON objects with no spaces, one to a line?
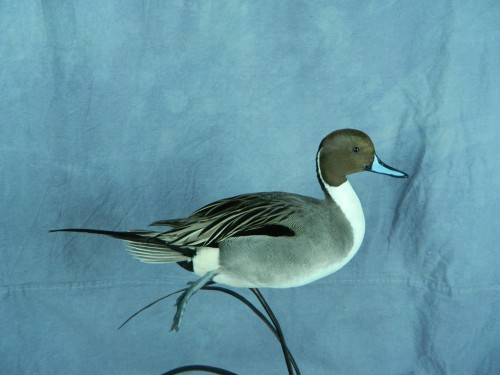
{"x":115,"y":114}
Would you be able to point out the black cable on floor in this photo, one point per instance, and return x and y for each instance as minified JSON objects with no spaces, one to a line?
{"x":213,"y":370}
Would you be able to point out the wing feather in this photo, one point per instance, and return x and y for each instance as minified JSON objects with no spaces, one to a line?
{"x":241,"y":215}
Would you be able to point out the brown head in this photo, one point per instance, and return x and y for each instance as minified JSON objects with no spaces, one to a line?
{"x":348,"y":151}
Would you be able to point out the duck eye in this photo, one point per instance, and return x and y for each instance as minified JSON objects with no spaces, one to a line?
{"x":355,"y":149}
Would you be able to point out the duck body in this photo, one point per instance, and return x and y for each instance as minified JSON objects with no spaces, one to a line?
{"x":292,"y":257}
{"x":275,"y":239}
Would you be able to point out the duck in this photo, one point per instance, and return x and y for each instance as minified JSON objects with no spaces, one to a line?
{"x":268,"y":239}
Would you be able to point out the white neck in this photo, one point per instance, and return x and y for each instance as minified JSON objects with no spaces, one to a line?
{"x":345,"y":197}
{"x":349,"y":203}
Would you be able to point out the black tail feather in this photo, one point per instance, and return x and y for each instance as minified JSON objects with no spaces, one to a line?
{"x":126,"y":236}
{"x":152,"y":239}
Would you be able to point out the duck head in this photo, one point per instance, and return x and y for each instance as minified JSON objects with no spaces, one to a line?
{"x":348,"y":151}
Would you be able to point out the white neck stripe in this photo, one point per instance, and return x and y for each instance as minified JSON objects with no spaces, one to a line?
{"x":345,"y":197}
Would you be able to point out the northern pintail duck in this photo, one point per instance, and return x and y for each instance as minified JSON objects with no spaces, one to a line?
{"x":274,"y":239}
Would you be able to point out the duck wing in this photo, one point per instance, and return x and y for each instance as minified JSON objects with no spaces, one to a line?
{"x":242,"y":215}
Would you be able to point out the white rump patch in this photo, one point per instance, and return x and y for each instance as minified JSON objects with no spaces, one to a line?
{"x":205,"y":260}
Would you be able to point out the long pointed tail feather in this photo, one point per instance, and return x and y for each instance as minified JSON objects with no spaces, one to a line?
{"x":147,"y":246}
{"x":127,"y":236}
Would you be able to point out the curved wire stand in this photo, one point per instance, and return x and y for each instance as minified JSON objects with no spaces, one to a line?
{"x":272,"y":323}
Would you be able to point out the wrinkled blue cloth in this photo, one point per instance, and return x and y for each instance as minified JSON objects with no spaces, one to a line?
{"x":115,"y":114}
